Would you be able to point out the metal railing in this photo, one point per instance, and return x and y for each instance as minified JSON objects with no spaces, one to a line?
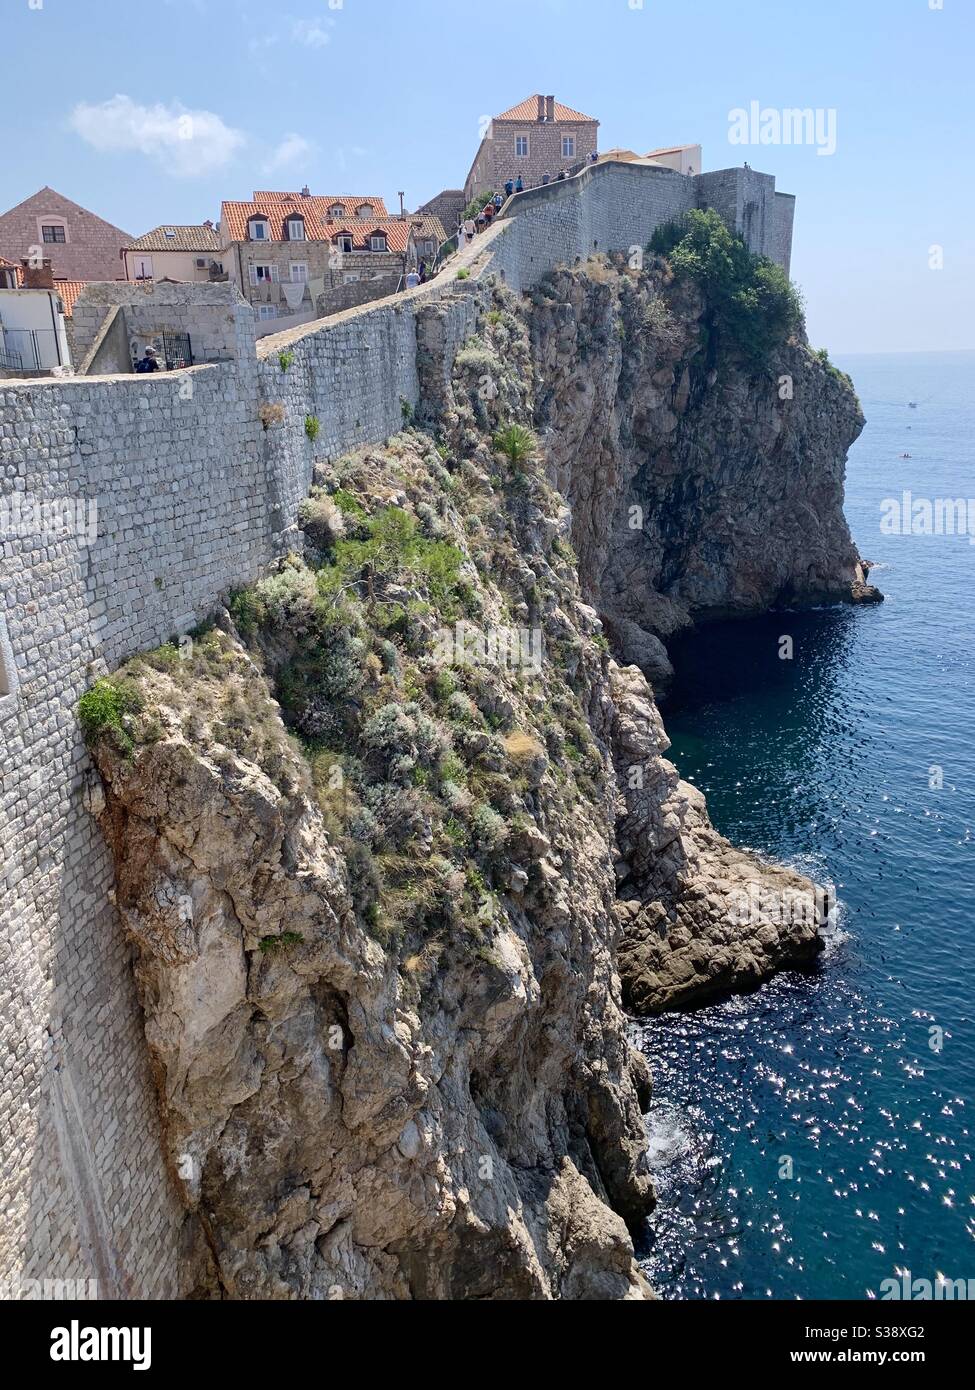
{"x":11,"y":361}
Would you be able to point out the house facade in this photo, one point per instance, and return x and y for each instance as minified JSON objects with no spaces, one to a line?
{"x":187,"y":254}
{"x":297,"y":256}
{"x":539,"y":136}
{"x":79,"y":244}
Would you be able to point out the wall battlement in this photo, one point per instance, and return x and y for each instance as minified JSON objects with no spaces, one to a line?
{"x":166,"y":492}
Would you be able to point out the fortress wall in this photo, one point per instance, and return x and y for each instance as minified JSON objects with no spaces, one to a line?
{"x":189,"y":496}
{"x":358,"y":374}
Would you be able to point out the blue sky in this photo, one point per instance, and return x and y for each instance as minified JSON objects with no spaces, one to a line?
{"x":374,"y":96}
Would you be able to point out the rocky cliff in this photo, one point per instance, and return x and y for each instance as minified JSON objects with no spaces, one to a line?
{"x":387,"y":833}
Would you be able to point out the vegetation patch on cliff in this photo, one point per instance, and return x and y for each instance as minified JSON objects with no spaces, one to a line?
{"x":754,"y":309}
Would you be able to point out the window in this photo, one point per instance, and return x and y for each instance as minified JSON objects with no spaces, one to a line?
{"x":267,"y":311}
{"x":264,"y":274}
{"x":345,"y":244}
{"x":299,"y":272}
{"x":53,"y":233}
{"x":378,"y":243}
{"x":351,"y":277}
{"x":296,"y":229}
{"x":521,"y":146}
{"x":143,"y":267}
{"x":258,"y":229}
{"x":568,"y":147}
{"x":337,"y":210}
{"x":365,"y":210}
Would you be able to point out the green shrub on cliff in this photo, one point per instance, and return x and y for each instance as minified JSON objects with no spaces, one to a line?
{"x":101,"y":710}
{"x":754,"y":308}
{"x":516,"y":442}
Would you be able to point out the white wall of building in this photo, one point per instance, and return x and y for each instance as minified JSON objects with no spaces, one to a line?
{"x":173,"y":265}
{"x":32,"y":325}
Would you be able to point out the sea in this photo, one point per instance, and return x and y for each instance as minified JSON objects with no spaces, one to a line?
{"x":814,"y":1139}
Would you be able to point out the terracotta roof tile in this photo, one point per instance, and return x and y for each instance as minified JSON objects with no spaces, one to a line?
{"x":69,"y":291}
{"x":397,"y":232}
{"x":277,"y":207}
{"x":527,"y":110}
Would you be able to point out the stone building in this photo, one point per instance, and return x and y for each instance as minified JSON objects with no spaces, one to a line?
{"x":187,"y":254}
{"x":539,"y":136}
{"x":184,"y":324}
{"x":446,"y":207}
{"x":298,"y":256}
{"x":80,"y":245}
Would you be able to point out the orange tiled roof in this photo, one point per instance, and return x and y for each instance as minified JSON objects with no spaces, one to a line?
{"x":527,"y":110}
{"x":278,"y":207}
{"x":69,"y":291}
{"x":10,"y":265}
{"x":397,"y":233}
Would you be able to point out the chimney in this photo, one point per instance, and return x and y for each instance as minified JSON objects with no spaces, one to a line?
{"x":209,"y":225}
{"x":541,"y":108}
{"x":550,"y":108}
{"x":37,"y":277}
{"x":306,"y":192}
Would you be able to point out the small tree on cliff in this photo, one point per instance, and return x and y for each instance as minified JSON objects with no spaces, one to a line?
{"x":753,"y":307}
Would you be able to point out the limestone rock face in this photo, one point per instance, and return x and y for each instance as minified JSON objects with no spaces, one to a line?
{"x":699,"y":487}
{"x":335,"y":1131}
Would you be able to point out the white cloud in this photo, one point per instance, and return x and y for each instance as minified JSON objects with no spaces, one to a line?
{"x":311,"y":32}
{"x":182,"y":141}
{"x":290,"y":150}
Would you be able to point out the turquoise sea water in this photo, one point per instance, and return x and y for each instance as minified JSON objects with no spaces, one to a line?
{"x":829,"y":762}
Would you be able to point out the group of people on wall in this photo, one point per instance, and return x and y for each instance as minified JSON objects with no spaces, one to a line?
{"x":468,"y":227}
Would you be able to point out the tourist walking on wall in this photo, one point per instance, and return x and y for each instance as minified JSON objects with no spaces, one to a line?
{"x":148,"y":362}
{"x":520,"y":185}
{"x":509,"y":187}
